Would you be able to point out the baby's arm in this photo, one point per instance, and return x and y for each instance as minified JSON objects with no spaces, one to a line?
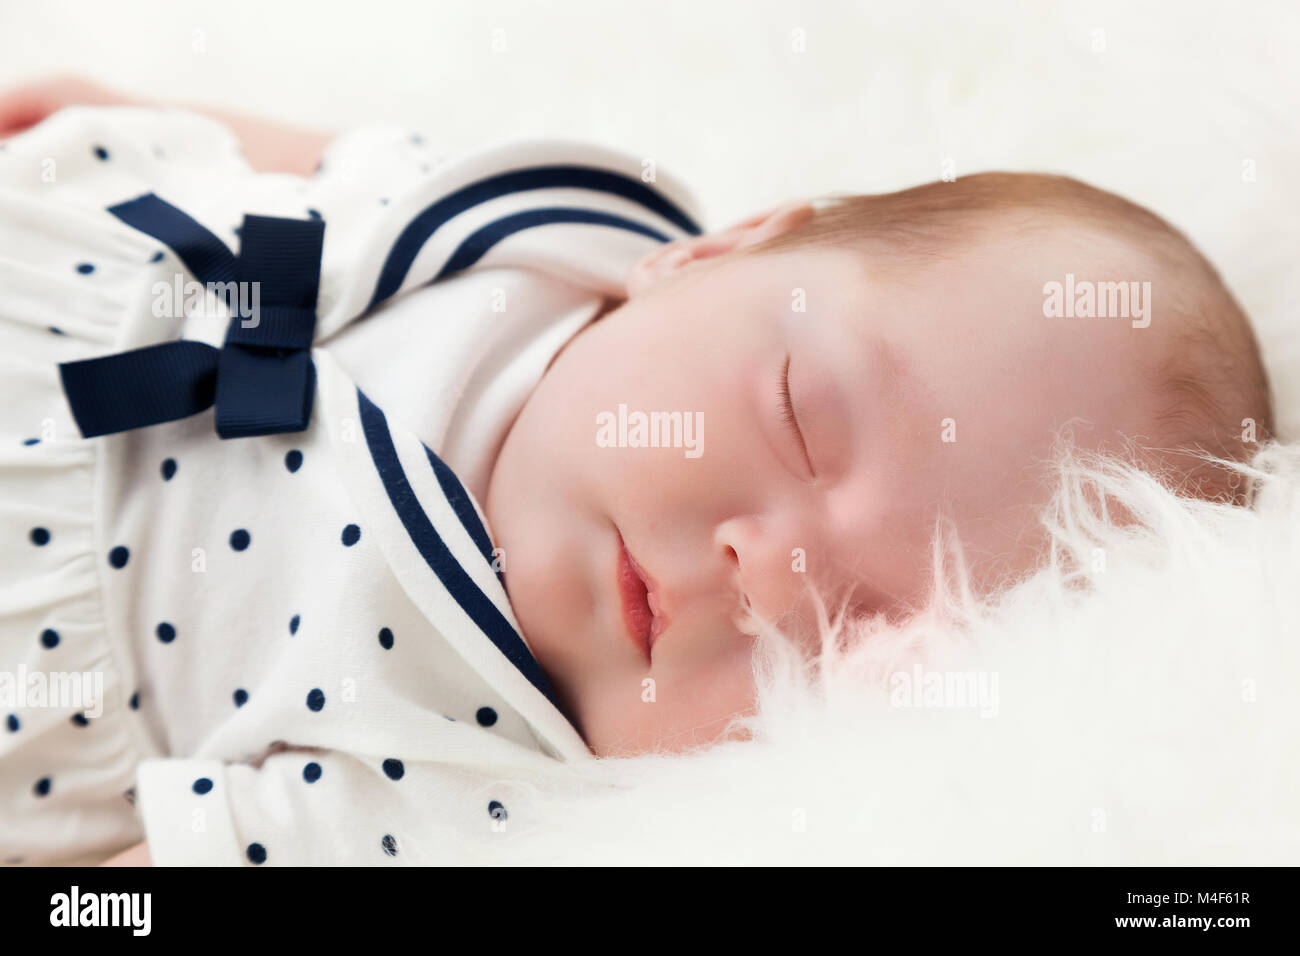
{"x":267,"y":147}
{"x":138,"y":855}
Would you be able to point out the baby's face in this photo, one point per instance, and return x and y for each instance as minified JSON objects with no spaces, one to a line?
{"x":936,"y":390}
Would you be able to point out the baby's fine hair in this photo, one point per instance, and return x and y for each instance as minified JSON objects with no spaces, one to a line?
{"x":1212,"y":392}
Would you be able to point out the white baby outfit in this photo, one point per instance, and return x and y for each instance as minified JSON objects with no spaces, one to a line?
{"x":303,"y":642}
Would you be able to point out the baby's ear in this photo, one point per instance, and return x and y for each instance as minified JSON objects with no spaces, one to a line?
{"x":656,"y":266}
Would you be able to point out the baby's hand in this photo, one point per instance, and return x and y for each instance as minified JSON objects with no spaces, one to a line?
{"x":138,"y":855}
{"x":25,"y":106}
{"x":268,"y":147}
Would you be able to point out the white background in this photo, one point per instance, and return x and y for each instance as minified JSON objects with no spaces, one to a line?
{"x":1163,"y":105}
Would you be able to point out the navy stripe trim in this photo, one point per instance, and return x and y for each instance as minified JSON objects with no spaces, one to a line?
{"x":429,"y":220}
{"x":478,"y":243}
{"x":437,"y":555}
{"x":206,"y":256}
{"x":460,"y":502}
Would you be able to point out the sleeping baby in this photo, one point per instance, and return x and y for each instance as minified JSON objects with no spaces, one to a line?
{"x":343,"y":487}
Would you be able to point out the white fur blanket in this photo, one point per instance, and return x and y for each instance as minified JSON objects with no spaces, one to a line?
{"x":1138,"y":706}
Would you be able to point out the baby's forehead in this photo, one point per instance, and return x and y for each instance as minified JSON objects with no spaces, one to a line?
{"x":984,"y":249}
{"x":1010,"y":285}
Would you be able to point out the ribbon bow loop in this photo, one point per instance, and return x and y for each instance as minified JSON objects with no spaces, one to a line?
{"x":261,"y":380}
{"x":265,"y":377}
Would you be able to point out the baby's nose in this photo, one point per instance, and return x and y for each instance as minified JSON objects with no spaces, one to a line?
{"x":769,"y":567}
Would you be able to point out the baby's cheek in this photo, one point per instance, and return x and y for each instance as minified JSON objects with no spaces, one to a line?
{"x":672,"y":708}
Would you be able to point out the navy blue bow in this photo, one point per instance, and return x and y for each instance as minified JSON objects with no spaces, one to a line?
{"x":262,"y":379}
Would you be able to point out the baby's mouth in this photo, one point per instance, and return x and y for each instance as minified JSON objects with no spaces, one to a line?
{"x":636,"y":592}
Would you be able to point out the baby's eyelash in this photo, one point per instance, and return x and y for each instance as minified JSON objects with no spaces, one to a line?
{"x":787,"y":413}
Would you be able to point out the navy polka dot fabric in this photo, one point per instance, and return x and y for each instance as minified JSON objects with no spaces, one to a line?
{"x":301,"y":638}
